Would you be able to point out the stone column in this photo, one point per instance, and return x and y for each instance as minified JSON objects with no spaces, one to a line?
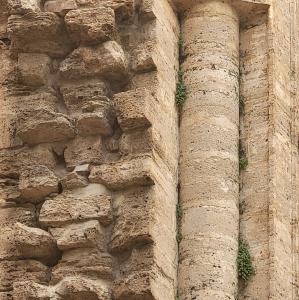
{"x":209,"y":153}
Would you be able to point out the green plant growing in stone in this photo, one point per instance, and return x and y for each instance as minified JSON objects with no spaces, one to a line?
{"x":243,"y":162}
{"x":245,"y":268}
{"x":180,"y":95}
{"x":179,"y":215}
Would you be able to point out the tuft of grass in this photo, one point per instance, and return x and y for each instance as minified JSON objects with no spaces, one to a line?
{"x":180,"y":95}
{"x":179,"y":237}
{"x":243,"y":161}
{"x":245,"y":268}
{"x":179,"y":212}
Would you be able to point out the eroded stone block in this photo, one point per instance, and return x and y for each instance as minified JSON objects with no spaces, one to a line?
{"x":38,"y":33}
{"x":37,"y":182}
{"x":73,"y":180}
{"x":60,"y":6}
{"x":42,"y":126}
{"x":25,"y":290}
{"x":138,"y":171}
{"x":83,"y":150}
{"x":23,"y":242}
{"x":135,"y":109}
{"x":77,"y":95}
{"x":88,"y":234}
{"x":10,"y":214}
{"x":134,"y":209}
{"x":75,"y":206}
{"x":13,"y":271}
{"x":86,"y":262}
{"x":83,"y":288}
{"x":34,"y":68}
{"x":9,"y":190}
{"x":107,"y":60}
{"x":23,"y":6}
{"x":143,"y":57}
{"x":91,"y":26}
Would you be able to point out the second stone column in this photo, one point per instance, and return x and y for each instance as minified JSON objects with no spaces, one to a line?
{"x":209,"y":138}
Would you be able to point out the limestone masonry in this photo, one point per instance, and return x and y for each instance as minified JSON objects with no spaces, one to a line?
{"x":112,"y":190}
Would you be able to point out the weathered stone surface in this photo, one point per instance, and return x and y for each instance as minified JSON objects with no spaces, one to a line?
{"x":83,"y":150}
{"x":10,"y":214}
{"x":123,"y":174}
{"x":23,"y":6}
{"x":81,"y":288}
{"x":71,"y":206}
{"x":9,"y":189}
{"x":134,"y":109}
{"x":38,"y":33}
{"x":13,"y":271}
{"x":11,"y":161}
{"x":107,"y":60}
{"x":91,"y":25}
{"x":34,"y":68}
{"x":134,"y":212}
{"x":43,"y":126}
{"x":73,"y":180}
{"x":37,"y":182}
{"x":6,"y":296}
{"x":77,"y":95}
{"x":82,"y":235}
{"x":23,"y":242}
{"x":143,"y":57}
{"x":86,"y":262}
{"x":25,"y":290}
{"x":60,"y":6}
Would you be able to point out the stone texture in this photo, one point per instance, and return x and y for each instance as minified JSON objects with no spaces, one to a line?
{"x":60,"y":6}
{"x":107,"y":60}
{"x":91,"y":25}
{"x":119,"y":175}
{"x":74,"y":206}
{"x":13,"y":271}
{"x":34,"y":68}
{"x":38,"y":32}
{"x":37,"y":182}
{"x":23,"y":6}
{"x":82,"y":235}
{"x":73,"y":180}
{"x":135,"y":109}
{"x":85,"y":262}
{"x":23,"y":242}
{"x":83,"y":150}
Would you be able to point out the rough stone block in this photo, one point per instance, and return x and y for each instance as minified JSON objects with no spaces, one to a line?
{"x":25,"y":290}
{"x":91,"y":25}
{"x":73,"y":180}
{"x":34,"y":68}
{"x":83,"y":150}
{"x":88,"y":234}
{"x":75,"y":206}
{"x":23,"y":242}
{"x":83,"y":288}
{"x":13,"y":271}
{"x":107,"y":60}
{"x":37,"y":182}
{"x":6,"y":295}
{"x":11,"y":161}
{"x":23,"y":6}
{"x":38,"y":33}
{"x":60,"y":6}
{"x":143,"y":57}
{"x":10,"y":214}
{"x":139,"y":171}
{"x":96,"y":123}
{"x":76,"y":95}
{"x":134,"y":212}
{"x":43,"y":126}
{"x":9,"y":190}
{"x":135,"y":109}
{"x":86,"y":262}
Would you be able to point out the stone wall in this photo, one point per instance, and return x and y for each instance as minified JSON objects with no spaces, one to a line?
{"x":88,"y":159}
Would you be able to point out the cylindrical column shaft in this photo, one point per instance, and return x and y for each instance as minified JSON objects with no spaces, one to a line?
{"x":209,"y":168}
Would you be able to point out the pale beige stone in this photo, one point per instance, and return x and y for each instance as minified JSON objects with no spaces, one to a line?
{"x":60,"y":6}
{"x":73,"y":180}
{"x":74,"y":206}
{"x":37,"y":182}
{"x":91,"y":26}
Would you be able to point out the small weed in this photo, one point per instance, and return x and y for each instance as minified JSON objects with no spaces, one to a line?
{"x":179,"y":212}
{"x":243,"y":162}
{"x":179,"y":237}
{"x":180,"y":95}
{"x":245,"y":268}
